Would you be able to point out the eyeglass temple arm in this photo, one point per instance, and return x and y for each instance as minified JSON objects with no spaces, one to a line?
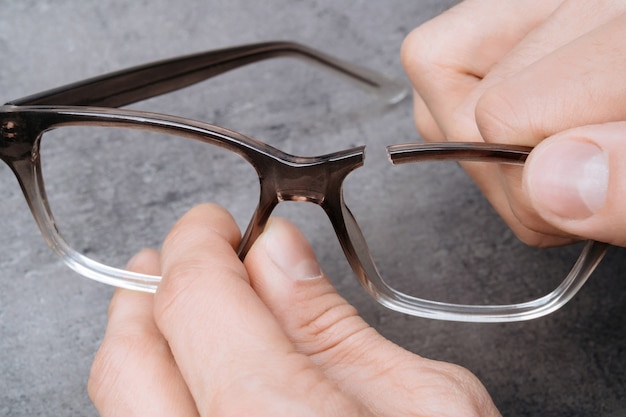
{"x":131,"y":85}
{"x":458,"y":151}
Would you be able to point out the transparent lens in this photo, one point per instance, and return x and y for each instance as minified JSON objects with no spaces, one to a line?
{"x":434,"y":236}
{"x":114,"y":191}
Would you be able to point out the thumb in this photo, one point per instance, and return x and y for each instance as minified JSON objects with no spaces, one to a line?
{"x":576,"y":181}
{"x":285,"y":274}
{"x":387,"y":379}
{"x":321,"y":324}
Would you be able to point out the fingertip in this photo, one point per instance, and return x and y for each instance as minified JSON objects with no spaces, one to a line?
{"x":286,"y":276}
{"x":207,"y":216}
{"x":290,"y":251}
{"x":279,"y":259}
{"x":146,"y":261}
{"x":568,"y":179}
{"x":574,"y":181}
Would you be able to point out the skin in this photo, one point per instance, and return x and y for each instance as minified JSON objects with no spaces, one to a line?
{"x":532,"y":72}
{"x":271,"y":337}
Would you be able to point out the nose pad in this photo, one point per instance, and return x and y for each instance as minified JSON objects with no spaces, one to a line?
{"x":313,"y":178}
{"x":308,"y":179}
{"x":301,"y":196}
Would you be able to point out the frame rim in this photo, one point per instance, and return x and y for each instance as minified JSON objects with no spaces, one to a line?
{"x":265,"y":159}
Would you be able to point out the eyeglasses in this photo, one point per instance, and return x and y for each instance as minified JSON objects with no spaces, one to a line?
{"x":70,"y":116}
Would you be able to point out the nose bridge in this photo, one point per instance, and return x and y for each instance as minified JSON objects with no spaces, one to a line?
{"x":314,"y":179}
{"x":290,"y":178}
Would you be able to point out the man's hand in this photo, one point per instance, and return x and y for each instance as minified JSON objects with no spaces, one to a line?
{"x":268,"y":338}
{"x":528,"y":72}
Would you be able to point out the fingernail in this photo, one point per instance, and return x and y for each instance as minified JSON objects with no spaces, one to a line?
{"x":569,"y":178}
{"x":290,"y":251}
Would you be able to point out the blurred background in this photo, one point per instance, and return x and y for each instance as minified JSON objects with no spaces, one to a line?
{"x":571,"y":362}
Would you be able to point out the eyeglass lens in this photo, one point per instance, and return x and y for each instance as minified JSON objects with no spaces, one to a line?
{"x":128,"y":187}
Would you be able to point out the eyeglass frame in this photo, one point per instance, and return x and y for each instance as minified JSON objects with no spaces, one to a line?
{"x":282,"y":176}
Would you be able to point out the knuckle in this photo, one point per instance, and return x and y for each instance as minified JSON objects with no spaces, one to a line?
{"x":418,"y":54}
{"x":410,"y":50}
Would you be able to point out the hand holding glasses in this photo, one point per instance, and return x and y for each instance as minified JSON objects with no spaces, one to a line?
{"x":75,"y":115}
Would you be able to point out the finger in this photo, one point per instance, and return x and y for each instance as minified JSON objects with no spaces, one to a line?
{"x":134,"y":373}
{"x":571,"y":20}
{"x":448,"y":56}
{"x":560,"y":91}
{"x":446,"y":59}
{"x":424,"y":122}
{"x":233,"y":355}
{"x":544,"y":99}
{"x":322,"y":325}
{"x":576,"y":181}
{"x":285,"y":274}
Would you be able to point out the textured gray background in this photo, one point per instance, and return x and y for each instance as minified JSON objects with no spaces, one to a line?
{"x":570,"y":363}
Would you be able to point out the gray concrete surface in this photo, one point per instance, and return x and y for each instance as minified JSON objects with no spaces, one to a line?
{"x":571,"y":363}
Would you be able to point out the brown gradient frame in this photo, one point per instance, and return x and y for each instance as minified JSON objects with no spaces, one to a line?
{"x":283,"y":177}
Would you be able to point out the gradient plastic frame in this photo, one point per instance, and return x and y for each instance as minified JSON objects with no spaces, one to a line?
{"x":283,"y":177}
